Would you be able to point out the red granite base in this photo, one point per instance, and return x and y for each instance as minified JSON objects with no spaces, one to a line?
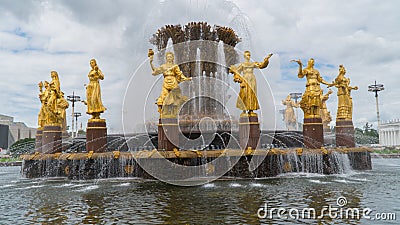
{"x":96,"y":136}
{"x":313,"y":133}
{"x":249,"y":132}
{"x":168,"y":134}
{"x":51,"y":139}
{"x":344,"y":133}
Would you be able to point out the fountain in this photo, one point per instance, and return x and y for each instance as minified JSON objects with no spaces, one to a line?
{"x":196,"y":138}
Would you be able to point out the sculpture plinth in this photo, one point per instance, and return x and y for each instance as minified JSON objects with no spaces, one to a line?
{"x":326,"y":128}
{"x":51,"y":139}
{"x":168,"y":134}
{"x":96,"y":135}
{"x":38,"y":139}
{"x":249,"y":131}
{"x":313,"y":133}
{"x":344,"y":133}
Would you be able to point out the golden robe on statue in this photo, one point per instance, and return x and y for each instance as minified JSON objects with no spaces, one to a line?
{"x":93,"y":92}
{"x":247,"y":100}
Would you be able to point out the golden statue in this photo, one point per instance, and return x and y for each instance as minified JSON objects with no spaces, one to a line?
{"x":43,"y":95}
{"x":325,"y":114}
{"x":62,"y":105}
{"x":247,"y":100}
{"x":290,"y":116}
{"x":52,"y":111}
{"x":345,"y":102}
{"x":170,"y":98}
{"x":93,"y":93}
{"x":311,"y":100}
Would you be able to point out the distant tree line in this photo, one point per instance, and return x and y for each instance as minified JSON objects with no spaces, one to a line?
{"x":22,"y":146}
{"x":366,"y":136}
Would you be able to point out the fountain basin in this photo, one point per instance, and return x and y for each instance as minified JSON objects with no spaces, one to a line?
{"x":271,"y":162}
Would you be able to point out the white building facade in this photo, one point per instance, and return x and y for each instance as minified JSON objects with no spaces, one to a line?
{"x":389,"y":133}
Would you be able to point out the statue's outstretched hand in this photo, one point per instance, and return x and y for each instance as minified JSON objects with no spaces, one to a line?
{"x":298,"y":61}
{"x":150,"y":54}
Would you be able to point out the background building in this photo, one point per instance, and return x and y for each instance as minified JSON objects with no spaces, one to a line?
{"x":389,"y":133}
{"x":11,"y":131}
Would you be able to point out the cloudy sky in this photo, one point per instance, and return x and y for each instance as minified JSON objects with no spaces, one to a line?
{"x":39,"y":36}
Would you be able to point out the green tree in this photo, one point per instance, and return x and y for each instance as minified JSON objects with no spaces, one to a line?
{"x":22,"y":146}
{"x":367,"y":136}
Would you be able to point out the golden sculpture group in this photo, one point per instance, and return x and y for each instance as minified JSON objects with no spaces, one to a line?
{"x":313,"y":102}
{"x":54,"y":105}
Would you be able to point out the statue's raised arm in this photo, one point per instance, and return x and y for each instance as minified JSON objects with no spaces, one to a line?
{"x":244,"y":74}
{"x":155,"y":70}
{"x":311,"y":100}
{"x":264,"y":63}
{"x":170,"y":94}
{"x":300,"y":73}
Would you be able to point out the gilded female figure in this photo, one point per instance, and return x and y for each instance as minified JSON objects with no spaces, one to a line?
{"x":93,"y":93}
{"x":62,"y":105}
{"x":43,"y":96}
{"x":247,"y":100}
{"x":345,"y":103}
{"x":325,"y":114}
{"x":311,"y":100}
{"x":170,"y":93}
{"x":51,"y":112}
{"x":290,"y":117}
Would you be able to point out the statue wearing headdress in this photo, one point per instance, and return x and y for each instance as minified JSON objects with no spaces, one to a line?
{"x":171,"y":97}
{"x":311,"y":103}
{"x":93,"y":93}
{"x":345,"y":102}
{"x":52,"y":111}
{"x":247,"y":100}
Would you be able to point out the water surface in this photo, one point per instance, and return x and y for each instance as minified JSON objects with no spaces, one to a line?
{"x":133,"y":201}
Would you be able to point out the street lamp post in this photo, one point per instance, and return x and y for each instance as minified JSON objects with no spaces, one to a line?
{"x":296,"y":96}
{"x":376,"y":88}
{"x":73,"y":98}
{"x":77,"y":114}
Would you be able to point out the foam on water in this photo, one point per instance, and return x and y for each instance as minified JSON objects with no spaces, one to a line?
{"x":345,"y":181}
{"x":257,"y":185}
{"x":122,"y":185}
{"x":7,"y":185}
{"x":359,"y":179}
{"x":294,"y":175}
{"x":88,"y":188}
{"x":30,"y":187}
{"x":235,"y":185}
{"x":319,"y":182}
{"x":64,"y":185}
{"x":209,"y":185}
